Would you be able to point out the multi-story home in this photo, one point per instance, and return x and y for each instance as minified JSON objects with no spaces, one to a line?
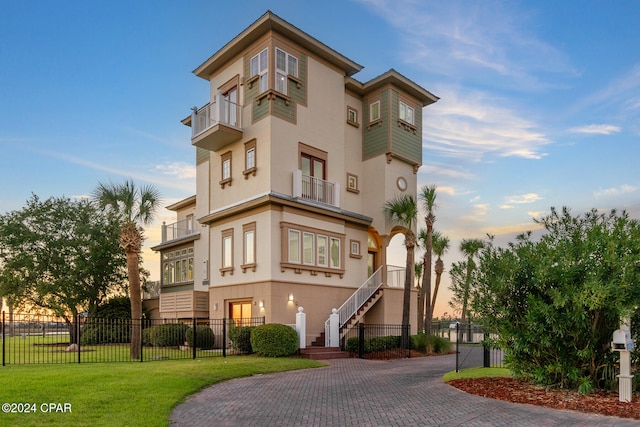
{"x":295,"y":160}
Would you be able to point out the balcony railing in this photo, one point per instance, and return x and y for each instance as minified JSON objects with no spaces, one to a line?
{"x":316,"y":189}
{"x":178,"y":229}
{"x":221,"y":112}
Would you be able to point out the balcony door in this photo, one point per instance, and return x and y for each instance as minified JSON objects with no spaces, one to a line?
{"x":229,"y":105}
{"x":313,"y":176}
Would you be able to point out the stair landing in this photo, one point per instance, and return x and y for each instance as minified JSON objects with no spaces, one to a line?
{"x":323,"y":353}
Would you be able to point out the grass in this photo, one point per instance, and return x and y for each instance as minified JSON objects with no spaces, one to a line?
{"x":476,"y":373}
{"x":132,"y":394}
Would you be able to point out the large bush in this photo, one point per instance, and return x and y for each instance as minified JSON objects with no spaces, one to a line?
{"x":555,"y":303}
{"x":204,"y":337}
{"x":274,"y":340}
{"x":240,"y":337}
{"x":166,"y":335}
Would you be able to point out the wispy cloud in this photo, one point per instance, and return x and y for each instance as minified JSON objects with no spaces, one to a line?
{"x":475,"y":39}
{"x":160,"y":180}
{"x":473,"y":126}
{"x":615,"y":191}
{"x":180,"y":170}
{"x":596,"y":129}
{"x":523,"y":199}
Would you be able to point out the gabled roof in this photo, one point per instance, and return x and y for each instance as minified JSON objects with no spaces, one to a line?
{"x":272,"y":22}
{"x":394,"y":78}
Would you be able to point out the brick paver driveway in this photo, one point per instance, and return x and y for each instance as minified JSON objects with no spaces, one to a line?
{"x":354,"y":392}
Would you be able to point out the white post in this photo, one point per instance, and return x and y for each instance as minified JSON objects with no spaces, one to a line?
{"x":623,"y":344}
{"x":301,"y":327}
{"x":334,"y":328}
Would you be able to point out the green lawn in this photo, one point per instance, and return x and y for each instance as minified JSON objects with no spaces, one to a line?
{"x":477,"y":373}
{"x":119,"y":394}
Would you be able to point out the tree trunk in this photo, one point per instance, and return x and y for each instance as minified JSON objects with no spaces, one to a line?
{"x":136,"y":304}
{"x":406,"y":301}
{"x":439,"y":270}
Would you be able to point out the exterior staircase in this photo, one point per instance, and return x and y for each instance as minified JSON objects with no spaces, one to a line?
{"x":318,"y":350}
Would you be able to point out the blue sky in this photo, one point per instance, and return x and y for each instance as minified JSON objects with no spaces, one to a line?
{"x":540,"y":100}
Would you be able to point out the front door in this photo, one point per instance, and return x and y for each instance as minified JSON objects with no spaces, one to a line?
{"x":240,"y":312}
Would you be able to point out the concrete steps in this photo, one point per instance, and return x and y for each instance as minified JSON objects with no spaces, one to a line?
{"x":323,"y":353}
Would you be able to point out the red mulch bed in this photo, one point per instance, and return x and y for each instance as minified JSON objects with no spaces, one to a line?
{"x":518,"y":391}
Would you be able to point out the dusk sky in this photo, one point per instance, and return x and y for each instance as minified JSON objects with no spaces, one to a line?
{"x":539,"y":101}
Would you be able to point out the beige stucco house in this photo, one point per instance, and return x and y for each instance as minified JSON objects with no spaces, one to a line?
{"x":295,"y":160}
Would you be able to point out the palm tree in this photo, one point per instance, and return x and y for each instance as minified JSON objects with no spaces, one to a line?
{"x":428,"y":197}
{"x":470,"y":248}
{"x":135,"y":207}
{"x":440,"y":247}
{"x":403,"y":212}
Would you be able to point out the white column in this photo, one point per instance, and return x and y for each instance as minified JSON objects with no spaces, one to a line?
{"x":301,"y":327}
{"x":334,"y":328}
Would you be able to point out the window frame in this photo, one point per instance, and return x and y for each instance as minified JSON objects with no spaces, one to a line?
{"x":224,"y":159}
{"x":378,"y":115}
{"x":293,"y":256}
{"x":249,"y":229}
{"x":352,"y":183}
{"x":250,"y":170}
{"x":177,"y":266}
{"x":352,"y":116}
{"x":226,"y":252}
{"x":282,"y":74}
{"x":403,"y":110}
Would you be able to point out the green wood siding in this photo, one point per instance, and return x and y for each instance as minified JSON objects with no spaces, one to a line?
{"x":202,"y":155}
{"x":282,"y":110}
{"x":250,"y":94}
{"x":376,"y":137}
{"x":405,"y":143}
{"x":299,"y":96}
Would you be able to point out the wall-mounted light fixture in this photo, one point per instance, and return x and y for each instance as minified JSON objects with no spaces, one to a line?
{"x":261,"y":304}
{"x":291,"y":297}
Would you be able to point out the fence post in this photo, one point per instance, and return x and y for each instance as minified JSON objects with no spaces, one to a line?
{"x":361,"y":340}
{"x":224,"y":337}
{"x":195,"y":334}
{"x":457,"y":345}
{"x":301,"y":328}
{"x":4,"y":338}
{"x":77,"y":333}
{"x":487,"y":351}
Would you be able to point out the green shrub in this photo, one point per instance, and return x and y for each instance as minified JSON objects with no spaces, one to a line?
{"x":420,"y":343}
{"x":274,"y":340}
{"x":384,"y":343}
{"x":204,"y":337}
{"x":167,"y":335}
{"x":440,"y":345}
{"x":105,"y":333}
{"x":241,"y":339}
{"x":353,"y":345}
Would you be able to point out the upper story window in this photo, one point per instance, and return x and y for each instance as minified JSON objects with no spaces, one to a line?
{"x":374,"y":111}
{"x":226,"y":169}
{"x":260,"y":67}
{"x":177,"y":266}
{"x":249,"y":159}
{"x":286,"y":64}
{"x":406,"y":113}
{"x":227,"y":252}
{"x":352,"y":116}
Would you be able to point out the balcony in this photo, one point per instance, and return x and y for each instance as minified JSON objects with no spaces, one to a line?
{"x":216,"y":125}
{"x":316,"y":189}
{"x":179,"y":229}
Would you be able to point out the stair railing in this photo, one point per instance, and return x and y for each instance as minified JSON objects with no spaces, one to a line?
{"x":355,"y":302}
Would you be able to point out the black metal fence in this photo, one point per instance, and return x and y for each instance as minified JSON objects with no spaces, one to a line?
{"x":378,"y":341}
{"x":37,"y":339}
{"x":473,"y":347}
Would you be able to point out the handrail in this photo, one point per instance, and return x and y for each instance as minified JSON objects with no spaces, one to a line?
{"x":356,"y":301}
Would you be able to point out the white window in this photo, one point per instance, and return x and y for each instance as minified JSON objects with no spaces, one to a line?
{"x":294,"y":246}
{"x":374,"y":111}
{"x":260,"y":67}
{"x":406,"y":113}
{"x":307,"y":248}
{"x":226,"y":169}
{"x":321,"y":248}
{"x":249,"y":247}
{"x":285,"y":64}
{"x":251,"y":158}
{"x":335,"y":253}
{"x":227,"y":251}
